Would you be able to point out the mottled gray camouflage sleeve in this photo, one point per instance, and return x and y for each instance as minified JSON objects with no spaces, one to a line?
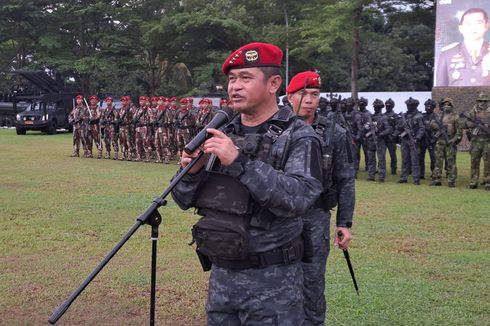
{"x":292,"y":192}
{"x":344,"y":180}
{"x":184,"y":192}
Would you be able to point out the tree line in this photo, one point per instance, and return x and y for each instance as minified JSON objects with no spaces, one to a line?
{"x":176,"y":47}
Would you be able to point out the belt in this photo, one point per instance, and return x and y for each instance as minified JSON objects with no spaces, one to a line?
{"x":285,"y":255}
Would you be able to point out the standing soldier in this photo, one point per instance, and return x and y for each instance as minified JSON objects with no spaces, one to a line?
{"x":446,"y":131}
{"x":478,"y":121}
{"x":173,"y":132}
{"x":76,"y":120}
{"x":428,"y":142}
{"x":184,"y":121}
{"x":338,"y":190}
{"x":411,"y":130}
{"x":366,"y":116}
{"x":205,"y":114}
{"x":125,"y":117}
{"x":223,"y":103}
{"x":141,"y":120}
{"x":93,"y":129}
{"x":110,"y":121}
{"x":160,"y":131}
{"x":152,"y":111}
{"x":377,"y":141}
{"x":353,"y":120}
{"x":391,"y":140}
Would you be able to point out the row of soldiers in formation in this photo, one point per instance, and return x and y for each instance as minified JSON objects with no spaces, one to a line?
{"x":437,"y":133}
{"x":157,"y":130}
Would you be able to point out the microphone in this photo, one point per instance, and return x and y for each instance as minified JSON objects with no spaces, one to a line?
{"x":222,"y":117}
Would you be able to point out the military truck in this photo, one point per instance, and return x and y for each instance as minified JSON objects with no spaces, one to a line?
{"x":49,"y":103}
{"x":8,"y":112}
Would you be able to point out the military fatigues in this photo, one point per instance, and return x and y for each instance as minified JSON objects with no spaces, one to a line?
{"x":339,"y":189}
{"x":353,"y":120}
{"x":446,"y":148}
{"x":456,"y":67}
{"x":203,"y":118}
{"x":391,"y":140}
{"x":184,"y":121}
{"x":125,"y":118}
{"x":75,"y":118}
{"x":162,"y":140}
{"x":142,"y":139}
{"x":377,"y":145}
{"x":427,"y":144}
{"x":480,"y":146}
{"x":410,"y":148}
{"x":262,"y":285}
{"x":92,"y":117}
{"x":110,"y":122}
{"x":132,"y":132}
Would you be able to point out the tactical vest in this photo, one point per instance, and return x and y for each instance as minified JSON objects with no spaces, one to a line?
{"x":226,"y":205}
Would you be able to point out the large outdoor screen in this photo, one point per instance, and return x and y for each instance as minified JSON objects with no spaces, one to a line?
{"x":462,"y":48}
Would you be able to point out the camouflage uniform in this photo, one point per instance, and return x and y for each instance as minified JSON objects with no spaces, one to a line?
{"x":162,"y":144}
{"x":110,"y":121}
{"x":338,"y":188}
{"x":260,"y":289}
{"x":125,"y":118}
{"x":480,"y":141}
{"x":411,"y":151}
{"x":204,"y":117}
{"x":75,"y":118}
{"x":142,"y":121}
{"x":391,"y":140}
{"x":184,"y":121}
{"x":446,"y":149}
{"x":428,"y":142}
{"x":353,"y":120}
{"x":363,"y":142}
{"x":92,"y":118}
{"x":377,"y":142}
{"x":132,"y":132}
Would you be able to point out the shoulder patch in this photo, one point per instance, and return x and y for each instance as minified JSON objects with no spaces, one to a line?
{"x":450,"y":46}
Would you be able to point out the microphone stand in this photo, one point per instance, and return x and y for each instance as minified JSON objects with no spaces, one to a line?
{"x":150,"y":216}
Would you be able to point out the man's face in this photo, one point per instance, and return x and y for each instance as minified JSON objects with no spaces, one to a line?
{"x":93,"y":102}
{"x":311,"y":99}
{"x":142,"y":103}
{"x":473,"y":27}
{"x":248,"y":88}
{"x":79,"y":101}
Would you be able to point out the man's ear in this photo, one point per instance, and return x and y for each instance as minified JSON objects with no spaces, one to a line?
{"x":275,"y":83}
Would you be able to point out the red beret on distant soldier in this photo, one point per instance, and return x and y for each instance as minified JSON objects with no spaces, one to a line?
{"x":190,"y":100}
{"x":143,"y":98}
{"x":253,"y":55}
{"x":125,"y":98}
{"x":154,"y":98}
{"x":172,"y":99}
{"x":223,"y":101}
{"x":94,"y":97}
{"x":108,"y":99}
{"x":163,"y":98}
{"x":183,"y":100}
{"x":79,"y":97}
{"x":298,"y":81}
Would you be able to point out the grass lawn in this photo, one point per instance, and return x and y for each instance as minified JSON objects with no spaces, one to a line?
{"x":421,"y":254}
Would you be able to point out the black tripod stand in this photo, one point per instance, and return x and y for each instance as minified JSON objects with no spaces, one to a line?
{"x":150,"y":216}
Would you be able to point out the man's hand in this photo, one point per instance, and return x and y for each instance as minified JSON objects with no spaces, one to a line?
{"x":343,"y":237}
{"x":187,"y":158}
{"x":222,"y":146}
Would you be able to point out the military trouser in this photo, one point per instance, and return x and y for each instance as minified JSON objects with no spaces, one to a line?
{"x":77,"y":138}
{"x":183,"y":137}
{"x":391,"y":145}
{"x":370,"y":146}
{"x":124,"y":142}
{"x":93,"y":136}
{"x":132,"y":140}
{"x":381,"y":154}
{"x":480,"y":149}
{"x":272,"y":295}
{"x":162,"y":145}
{"x":111,"y":139}
{"x":317,"y":222}
{"x":143,"y":145}
{"x":443,"y":152}
{"x":356,"y":157}
{"x":410,"y":161}
{"x":365,"y":149}
{"x":424,"y":147}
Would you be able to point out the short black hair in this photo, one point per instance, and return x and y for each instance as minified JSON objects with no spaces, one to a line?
{"x":270,"y":71}
{"x":474,"y":11}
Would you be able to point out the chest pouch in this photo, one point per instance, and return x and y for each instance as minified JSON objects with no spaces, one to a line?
{"x":223,"y":228}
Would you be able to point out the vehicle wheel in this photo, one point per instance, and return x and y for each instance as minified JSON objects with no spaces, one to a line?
{"x":20,"y":131}
{"x":52,"y":128}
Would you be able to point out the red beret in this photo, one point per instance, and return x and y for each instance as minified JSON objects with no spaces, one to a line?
{"x":143,"y":98}
{"x":162,"y":98}
{"x":125,"y":98}
{"x":154,"y":98}
{"x":190,"y":100}
{"x":94,"y":97}
{"x":108,"y":99}
{"x":201,"y":101}
{"x":298,"y":81}
{"x":223,"y":101}
{"x":253,"y":55}
{"x":183,"y":100}
{"x":172,"y":99}
{"x":79,"y":97}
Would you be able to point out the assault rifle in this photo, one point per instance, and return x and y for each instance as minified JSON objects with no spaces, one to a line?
{"x":478,"y":123}
{"x":442,"y":129}
{"x":372,"y":130}
{"x":407,"y":131}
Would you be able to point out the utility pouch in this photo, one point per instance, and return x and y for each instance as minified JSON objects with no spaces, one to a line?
{"x":222,"y":235}
{"x":204,"y":260}
{"x":309,"y":250}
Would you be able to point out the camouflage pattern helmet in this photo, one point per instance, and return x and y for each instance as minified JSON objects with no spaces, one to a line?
{"x":363,"y":100}
{"x":447,"y":100}
{"x":430,"y":103}
{"x":482,"y":97}
{"x":378,"y":103}
{"x":412,"y":102}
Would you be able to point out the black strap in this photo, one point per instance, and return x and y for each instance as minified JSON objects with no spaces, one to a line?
{"x":288,"y":254}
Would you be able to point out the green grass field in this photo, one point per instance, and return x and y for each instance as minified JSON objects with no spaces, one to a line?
{"x":421,"y":254}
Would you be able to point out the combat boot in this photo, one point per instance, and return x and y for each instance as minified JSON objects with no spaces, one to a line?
{"x":108,"y":155}
{"x":436,"y":183}
{"x":487,"y":187}
{"x":451,"y":184}
{"x":473,"y":186}
{"x":138,"y":158}
{"x":116,"y":155}
{"x":99,"y":154}
{"x":123,"y":156}
{"x":75,"y":154}
{"x":393,"y":171}
{"x":402,"y":181}
{"x":381,"y":180}
{"x":416,"y":182}
{"x":147,"y":160}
